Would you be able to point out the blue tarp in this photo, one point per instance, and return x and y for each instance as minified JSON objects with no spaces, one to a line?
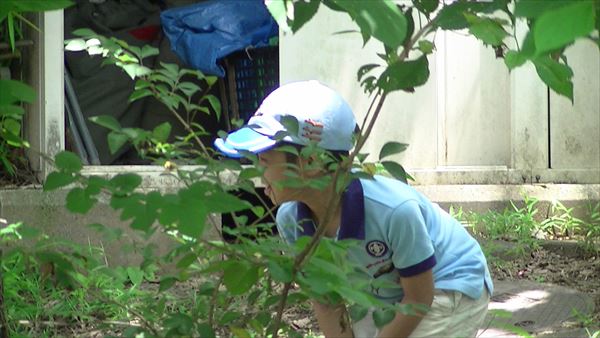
{"x":202,"y":33}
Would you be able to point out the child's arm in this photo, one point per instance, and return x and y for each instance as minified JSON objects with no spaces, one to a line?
{"x":332,"y":321}
{"x":418,"y":289}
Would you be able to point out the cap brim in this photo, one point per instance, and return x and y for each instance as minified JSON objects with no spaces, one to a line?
{"x":244,"y":139}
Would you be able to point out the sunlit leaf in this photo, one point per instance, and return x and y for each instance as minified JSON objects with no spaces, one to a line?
{"x":558,"y":27}
{"x":426,"y":47}
{"x":380,"y":19}
{"x":489,"y":31}
{"x":76,"y":45}
{"x":404,"y":75}
{"x":514,"y":59}
{"x":556,"y":75}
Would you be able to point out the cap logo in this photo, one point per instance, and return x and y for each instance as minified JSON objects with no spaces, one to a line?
{"x":312,"y":130}
{"x":376,"y":248}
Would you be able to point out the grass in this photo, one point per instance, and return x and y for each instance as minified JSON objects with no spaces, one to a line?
{"x":524,"y":224}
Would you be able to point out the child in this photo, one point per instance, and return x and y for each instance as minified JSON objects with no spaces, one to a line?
{"x":404,"y":237}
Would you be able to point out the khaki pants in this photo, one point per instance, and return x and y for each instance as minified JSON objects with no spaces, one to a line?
{"x":452,"y":314}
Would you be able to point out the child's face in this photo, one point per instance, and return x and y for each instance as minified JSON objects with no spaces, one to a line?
{"x":275,"y":165}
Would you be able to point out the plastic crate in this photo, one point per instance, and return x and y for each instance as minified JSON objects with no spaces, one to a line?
{"x":256,"y":76}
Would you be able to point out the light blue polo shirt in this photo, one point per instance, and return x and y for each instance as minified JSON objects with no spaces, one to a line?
{"x":401,"y":233}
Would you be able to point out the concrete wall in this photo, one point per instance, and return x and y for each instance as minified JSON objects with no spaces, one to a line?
{"x":46,"y":211}
{"x":473,"y":122}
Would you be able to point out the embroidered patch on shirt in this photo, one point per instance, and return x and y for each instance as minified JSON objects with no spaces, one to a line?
{"x":376,"y":248}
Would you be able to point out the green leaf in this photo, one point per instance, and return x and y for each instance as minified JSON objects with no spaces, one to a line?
{"x":135,"y":70}
{"x":514,"y":59}
{"x":12,"y":91}
{"x":258,"y":210}
{"x":215,"y":104}
{"x":171,"y":69}
{"x":556,"y":75}
{"x":228,"y":317}
{"x":222,"y":202}
{"x":557,"y":28}
{"x":161,"y":132}
{"x":303,"y":12}
{"x":357,"y":312}
{"x":126,"y":182}
{"x":404,"y":75}
{"x":364,"y":69}
{"x":426,"y":47}
{"x":396,"y":170}
{"x":10,"y":138}
{"x":186,"y":261}
{"x":148,"y":51}
{"x":392,"y":148}
{"x":426,"y":6}
{"x":136,"y":276}
{"x":84,"y":32}
{"x":11,"y":30}
{"x":248,"y":173}
{"x":282,"y":274}
{"x":15,"y":112}
{"x":57,"y":180}
{"x":205,"y":330}
{"x":141,"y":84}
{"x":535,"y":8}
{"x":291,"y":124}
{"x":489,"y":31}
{"x":382,"y":317}
{"x":188,"y":88}
{"x":139,"y":93}
{"x":166,"y":283}
{"x":210,"y":80}
{"x":106,"y":121}
{"x":240,"y":277}
{"x":238,"y":331}
{"x":68,"y":162}
{"x":116,"y":140}
{"x":179,"y":323}
{"x":37,"y":5}
{"x":452,"y":16}
{"x":380,"y":19}
{"x":78,"y":201}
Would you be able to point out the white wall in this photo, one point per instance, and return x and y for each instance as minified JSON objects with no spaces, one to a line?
{"x":473,"y":122}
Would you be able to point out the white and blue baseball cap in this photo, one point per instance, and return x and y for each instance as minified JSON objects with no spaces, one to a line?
{"x":323,"y":117}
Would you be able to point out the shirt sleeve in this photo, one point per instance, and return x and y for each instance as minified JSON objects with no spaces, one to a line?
{"x":286,"y":222}
{"x":411,"y":245}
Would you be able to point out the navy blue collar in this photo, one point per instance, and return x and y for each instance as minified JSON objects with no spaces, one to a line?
{"x":353,"y":214}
